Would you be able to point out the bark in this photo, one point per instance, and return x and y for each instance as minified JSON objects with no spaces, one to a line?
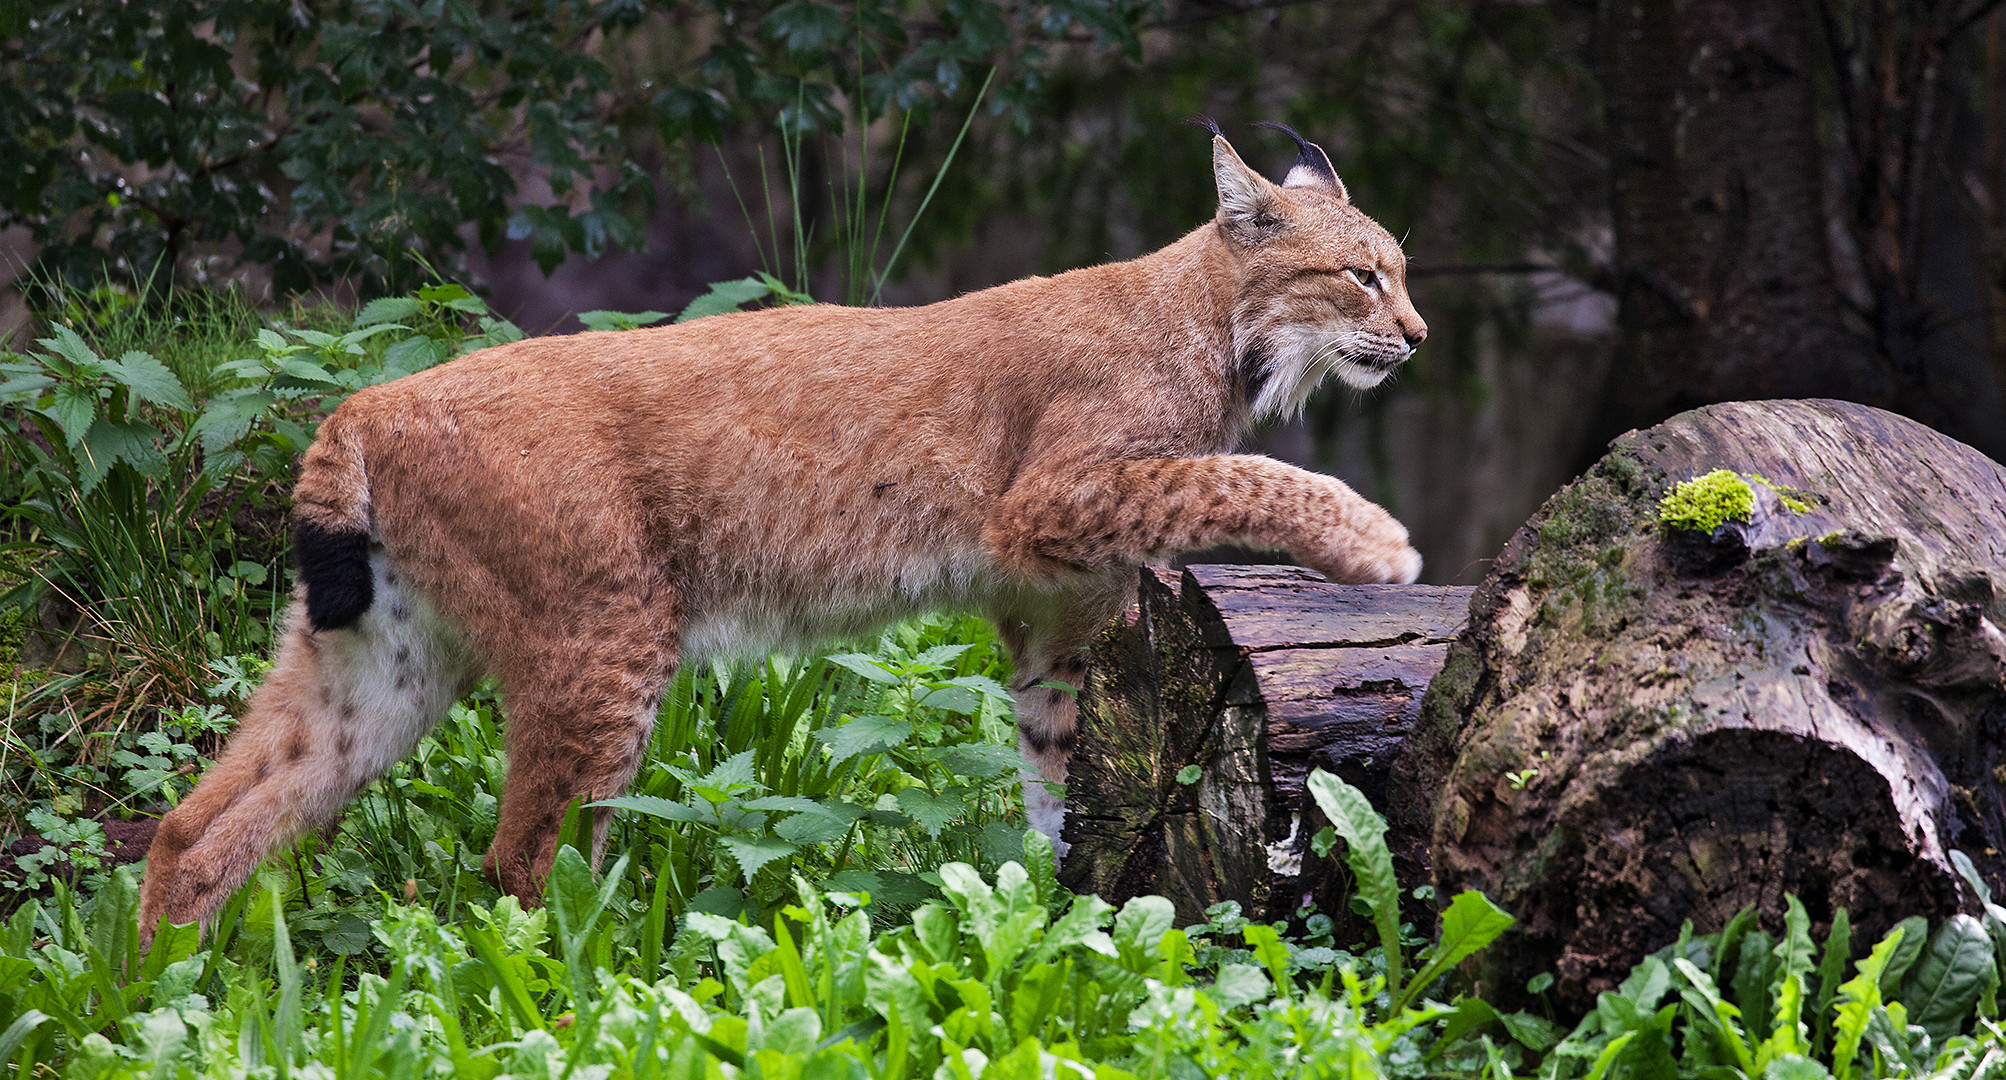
{"x":1724,"y":283}
{"x":1254,"y":674}
{"x":1813,"y":703}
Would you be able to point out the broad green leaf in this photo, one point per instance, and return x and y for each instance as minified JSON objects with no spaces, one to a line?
{"x":955,"y":699}
{"x":939,"y":656}
{"x":619,"y":320}
{"x":17,"y":1032}
{"x":1796,"y":1067}
{"x":80,"y":360}
{"x":26,"y":384}
{"x":229,"y":417}
{"x":981,"y":760}
{"x":933,"y":812}
{"x":1141,"y":922}
{"x":150,"y":380}
{"x":1915,"y":936}
{"x":656,"y":806}
{"x":1471,"y":923}
{"x":725,"y":296}
{"x":386,"y":309}
{"x":306,"y":371}
{"x":73,"y":409}
{"x":1240,"y":984}
{"x":806,"y":829}
{"x":866,"y":666}
{"x":753,"y":852}
{"x":1364,"y":833}
{"x":1469,"y":1015}
{"x":864,"y":735}
{"x":1940,"y":990}
{"x":1535,"y":1033}
{"x":790,"y":803}
{"x":108,"y":443}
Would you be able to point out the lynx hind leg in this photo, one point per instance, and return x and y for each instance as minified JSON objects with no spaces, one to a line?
{"x":578,"y":726}
{"x":338,"y":708}
{"x":1049,"y":643}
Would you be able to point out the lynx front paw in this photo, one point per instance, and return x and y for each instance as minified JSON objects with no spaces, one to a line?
{"x":1377,"y":554}
{"x":1402,"y":569}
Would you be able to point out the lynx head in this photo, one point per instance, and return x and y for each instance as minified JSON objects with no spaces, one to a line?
{"x":1323,"y":288}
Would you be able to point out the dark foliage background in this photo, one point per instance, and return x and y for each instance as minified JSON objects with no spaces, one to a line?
{"x":1614,"y":210}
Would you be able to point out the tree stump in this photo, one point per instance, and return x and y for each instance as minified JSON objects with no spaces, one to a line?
{"x":1242,"y":678}
{"x":1642,"y":726}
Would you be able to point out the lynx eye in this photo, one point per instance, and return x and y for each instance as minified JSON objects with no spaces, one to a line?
{"x":1364,"y":277}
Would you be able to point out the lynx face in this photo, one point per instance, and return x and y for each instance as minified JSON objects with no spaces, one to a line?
{"x":1325,"y":286}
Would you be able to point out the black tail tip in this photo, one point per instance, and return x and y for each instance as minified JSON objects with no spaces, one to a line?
{"x":334,"y":566}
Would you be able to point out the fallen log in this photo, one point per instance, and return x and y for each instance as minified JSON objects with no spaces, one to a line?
{"x":1641,"y":724}
{"x":1646,"y":724}
{"x":1205,"y":711}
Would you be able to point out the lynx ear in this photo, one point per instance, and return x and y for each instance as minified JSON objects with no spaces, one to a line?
{"x":1312,"y":168}
{"x":1248,"y":208}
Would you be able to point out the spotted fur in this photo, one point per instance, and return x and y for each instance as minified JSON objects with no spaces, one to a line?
{"x":578,"y":515}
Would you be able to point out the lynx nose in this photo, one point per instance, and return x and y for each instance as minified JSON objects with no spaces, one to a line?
{"x":1416,"y":335}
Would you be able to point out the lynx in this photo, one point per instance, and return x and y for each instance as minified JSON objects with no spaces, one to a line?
{"x":578,"y":515}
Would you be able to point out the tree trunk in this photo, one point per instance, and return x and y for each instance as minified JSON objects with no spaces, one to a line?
{"x":1725,"y":285}
{"x":1643,"y":726}
{"x":1244,"y":679}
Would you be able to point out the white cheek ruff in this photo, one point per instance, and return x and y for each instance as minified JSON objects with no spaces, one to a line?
{"x":1303,"y":355}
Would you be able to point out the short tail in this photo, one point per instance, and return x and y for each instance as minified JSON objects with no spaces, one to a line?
{"x":331,"y":527}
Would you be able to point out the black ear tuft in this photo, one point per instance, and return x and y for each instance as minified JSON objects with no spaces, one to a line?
{"x":1207,"y":123}
{"x":1312,"y":167}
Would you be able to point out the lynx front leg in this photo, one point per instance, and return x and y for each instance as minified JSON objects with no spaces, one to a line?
{"x":1048,"y":645}
{"x":1129,"y":512}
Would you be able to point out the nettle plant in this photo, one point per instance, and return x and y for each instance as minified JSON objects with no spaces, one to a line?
{"x":865,"y":770}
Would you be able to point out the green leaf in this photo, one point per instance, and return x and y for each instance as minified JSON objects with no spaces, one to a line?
{"x":1947,"y":980}
{"x":619,"y":320}
{"x":806,"y":829}
{"x":386,"y":309}
{"x":1190,"y":774}
{"x":980,"y":760}
{"x":1915,"y":935}
{"x":1364,"y":832}
{"x":25,"y":384}
{"x":1240,"y":984}
{"x":959,"y":700}
{"x":1471,"y":923}
{"x":17,"y":1032}
{"x":866,"y":666}
{"x":73,"y":409}
{"x":656,"y":806}
{"x":864,"y":735}
{"x":108,"y":443}
{"x":82,"y":361}
{"x":1796,"y":1067}
{"x":306,"y":371}
{"x":1535,"y":1033}
{"x":753,"y":852}
{"x":1859,"y":998}
{"x":1715,"y":1014}
{"x":150,"y":380}
{"x":933,"y":812}
{"x":725,"y":296}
